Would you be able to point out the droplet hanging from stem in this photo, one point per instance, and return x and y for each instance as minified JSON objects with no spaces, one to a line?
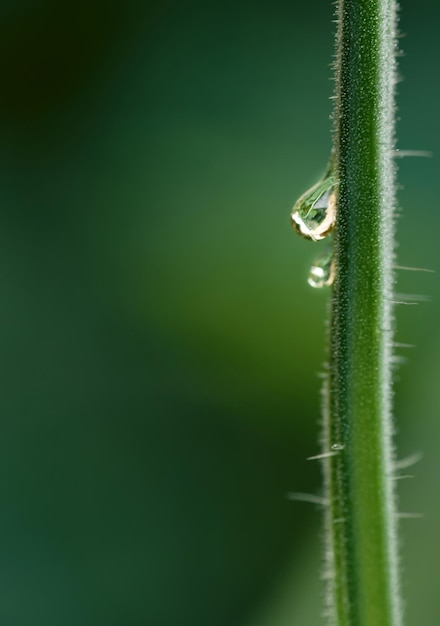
{"x":322,"y":272}
{"x":314,"y":213}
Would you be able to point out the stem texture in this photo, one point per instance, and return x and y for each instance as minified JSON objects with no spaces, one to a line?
{"x":361,"y":519}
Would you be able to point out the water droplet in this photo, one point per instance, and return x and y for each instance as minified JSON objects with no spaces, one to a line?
{"x":337,"y":446}
{"x":313,"y":214}
{"x":322,"y":272}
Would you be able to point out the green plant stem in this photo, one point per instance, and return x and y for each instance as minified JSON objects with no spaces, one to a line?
{"x":361,"y":519}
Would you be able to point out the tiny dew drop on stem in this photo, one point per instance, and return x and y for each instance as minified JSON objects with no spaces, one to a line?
{"x":314,"y":213}
{"x":322,"y":272}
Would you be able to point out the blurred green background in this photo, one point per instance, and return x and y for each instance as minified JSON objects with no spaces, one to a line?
{"x":160,"y":345}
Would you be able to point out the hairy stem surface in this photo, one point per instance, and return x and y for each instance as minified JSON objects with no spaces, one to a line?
{"x":361,"y":520}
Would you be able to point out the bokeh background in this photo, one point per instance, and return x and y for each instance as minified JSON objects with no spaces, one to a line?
{"x":160,"y":346}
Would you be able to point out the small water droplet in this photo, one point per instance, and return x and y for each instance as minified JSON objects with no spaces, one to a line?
{"x":322,"y":272}
{"x":337,"y":446}
{"x":314,"y":213}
